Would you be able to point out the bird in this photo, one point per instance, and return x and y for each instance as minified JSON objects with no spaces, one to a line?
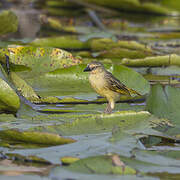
{"x":106,"y":85}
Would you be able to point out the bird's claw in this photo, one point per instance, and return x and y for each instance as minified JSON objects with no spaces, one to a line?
{"x":108,"y":109}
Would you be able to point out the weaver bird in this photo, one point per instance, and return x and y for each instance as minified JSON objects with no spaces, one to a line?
{"x":106,"y":85}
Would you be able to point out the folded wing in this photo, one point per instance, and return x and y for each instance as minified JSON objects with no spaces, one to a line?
{"x":116,"y":86}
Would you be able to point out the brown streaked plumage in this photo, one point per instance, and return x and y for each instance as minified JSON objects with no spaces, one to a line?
{"x":105,"y":84}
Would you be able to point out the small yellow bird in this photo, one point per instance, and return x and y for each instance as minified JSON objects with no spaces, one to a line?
{"x":105,"y":84}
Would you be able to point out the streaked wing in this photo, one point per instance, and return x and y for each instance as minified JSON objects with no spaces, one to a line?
{"x":115,"y":85}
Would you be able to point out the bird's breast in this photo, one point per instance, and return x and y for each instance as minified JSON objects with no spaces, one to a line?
{"x":97,"y":81}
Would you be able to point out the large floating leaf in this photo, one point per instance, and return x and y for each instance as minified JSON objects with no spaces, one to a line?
{"x":92,"y":123}
{"x":57,"y":25}
{"x":165,"y":102}
{"x":119,"y":53}
{"x":120,"y":49}
{"x":171,"y":4}
{"x":144,"y":161}
{"x":8,"y":22}
{"x":39,"y":60}
{"x":74,"y":80}
{"x":65,"y":173}
{"x":9,"y":100}
{"x":136,"y":6}
{"x":101,"y":165}
{"x":105,"y":44}
{"x":68,"y":160}
{"x":131,"y":79}
{"x":166,"y":60}
{"x":64,"y":42}
{"x":32,"y":137}
{"x":26,"y":90}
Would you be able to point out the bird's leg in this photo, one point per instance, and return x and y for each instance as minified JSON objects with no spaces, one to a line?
{"x":108,"y":109}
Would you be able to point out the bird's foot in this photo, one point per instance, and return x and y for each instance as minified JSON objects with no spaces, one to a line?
{"x":108,"y":109}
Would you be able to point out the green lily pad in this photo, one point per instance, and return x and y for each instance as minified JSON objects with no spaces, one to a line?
{"x":100,"y":165}
{"x":65,"y":173}
{"x":108,"y":48}
{"x":100,"y":123}
{"x":8,"y":22}
{"x":9,"y":100}
{"x":105,"y":44}
{"x":171,"y":4}
{"x":131,"y":79}
{"x":73,"y":80}
{"x":68,"y":160}
{"x":116,"y":54}
{"x":26,"y":90}
{"x":136,"y":6}
{"x":39,"y":60}
{"x":31,"y":137}
{"x":156,"y":61}
{"x":165,"y":103}
{"x":34,"y":160}
{"x":64,"y":42}
{"x":144,"y":161}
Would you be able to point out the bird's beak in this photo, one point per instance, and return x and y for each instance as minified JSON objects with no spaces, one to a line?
{"x":87,"y":69}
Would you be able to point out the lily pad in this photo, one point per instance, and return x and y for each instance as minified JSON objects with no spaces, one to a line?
{"x":68,"y":160}
{"x":131,"y":79}
{"x":26,"y":90}
{"x":101,"y":123}
{"x":156,"y":61}
{"x":164,"y":102}
{"x":136,"y":6}
{"x":64,"y":42}
{"x":31,"y":137}
{"x":39,"y":60}
{"x":9,"y":100}
{"x":105,"y":44}
{"x":120,"y":53}
{"x":8,"y":22}
{"x":60,"y":80}
{"x":100,"y":165}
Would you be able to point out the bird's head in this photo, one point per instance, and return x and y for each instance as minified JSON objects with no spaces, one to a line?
{"x":94,"y":67}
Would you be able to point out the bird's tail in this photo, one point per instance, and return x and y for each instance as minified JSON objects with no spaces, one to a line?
{"x":134,"y":92}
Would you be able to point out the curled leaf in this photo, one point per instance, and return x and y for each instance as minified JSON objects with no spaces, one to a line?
{"x":33,"y":137}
